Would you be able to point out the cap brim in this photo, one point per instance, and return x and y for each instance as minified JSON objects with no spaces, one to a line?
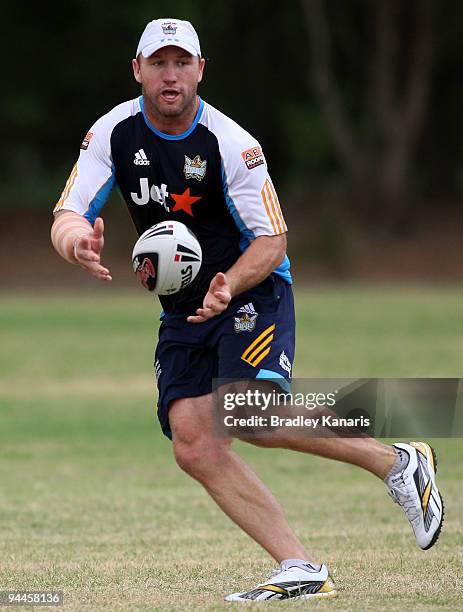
{"x":153,"y":47}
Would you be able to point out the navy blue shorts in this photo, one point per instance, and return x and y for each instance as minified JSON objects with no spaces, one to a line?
{"x":253,"y":338}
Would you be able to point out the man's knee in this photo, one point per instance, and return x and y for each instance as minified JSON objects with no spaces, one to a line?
{"x":197,"y":450}
{"x":200,"y":456}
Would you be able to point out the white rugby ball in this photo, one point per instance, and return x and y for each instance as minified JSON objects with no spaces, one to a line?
{"x":167,"y":257}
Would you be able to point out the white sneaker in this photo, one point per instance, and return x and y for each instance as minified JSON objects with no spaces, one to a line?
{"x":293,"y":580}
{"x":414,"y":488}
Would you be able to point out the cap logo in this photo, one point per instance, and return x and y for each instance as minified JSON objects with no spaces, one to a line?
{"x":169,"y":28}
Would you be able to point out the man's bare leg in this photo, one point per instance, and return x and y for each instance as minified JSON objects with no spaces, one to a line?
{"x":237,"y":489}
{"x":229,"y":480}
{"x":366,"y":453}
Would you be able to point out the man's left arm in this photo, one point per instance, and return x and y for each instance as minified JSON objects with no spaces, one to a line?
{"x":264,"y":254}
{"x":254,"y":206}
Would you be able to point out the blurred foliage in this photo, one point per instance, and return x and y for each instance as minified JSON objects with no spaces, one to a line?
{"x":68,"y":63}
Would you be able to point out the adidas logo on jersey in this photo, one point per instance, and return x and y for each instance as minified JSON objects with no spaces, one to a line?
{"x":141,"y":159}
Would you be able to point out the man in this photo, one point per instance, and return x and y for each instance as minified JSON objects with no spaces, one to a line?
{"x":173,"y":156}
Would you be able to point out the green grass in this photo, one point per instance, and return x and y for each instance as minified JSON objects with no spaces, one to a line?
{"x":92,"y":503}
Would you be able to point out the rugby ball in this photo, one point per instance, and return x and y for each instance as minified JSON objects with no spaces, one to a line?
{"x":167,"y":257}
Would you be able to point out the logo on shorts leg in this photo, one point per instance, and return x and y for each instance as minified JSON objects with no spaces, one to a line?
{"x":247,"y":321}
{"x":285,"y":362}
{"x":157,"y":369}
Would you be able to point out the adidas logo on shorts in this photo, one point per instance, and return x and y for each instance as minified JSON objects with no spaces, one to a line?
{"x":141,"y":159}
{"x":248,"y":308}
{"x":247,"y":320}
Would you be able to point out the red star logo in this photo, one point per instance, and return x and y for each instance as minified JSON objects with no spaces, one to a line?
{"x":184,"y":201}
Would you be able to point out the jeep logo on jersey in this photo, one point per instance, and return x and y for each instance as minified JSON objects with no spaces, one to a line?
{"x":194,"y":168}
{"x":155,"y":193}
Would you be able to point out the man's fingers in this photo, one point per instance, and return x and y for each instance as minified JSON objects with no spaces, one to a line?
{"x":95,"y":269}
{"x":220,"y":302}
{"x":215,"y":302}
{"x":83,"y":249}
{"x":196,"y":319}
{"x":222,"y":296}
{"x":98,"y":229}
{"x":202,"y":314}
{"x":88,"y":247}
{"x":218,"y":282}
{"x":205,"y":312}
{"x":193,"y":319}
{"x":83,"y":243}
{"x":87,"y":256}
{"x":213,"y":306}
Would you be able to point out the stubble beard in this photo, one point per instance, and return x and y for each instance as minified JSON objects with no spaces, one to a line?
{"x":167,"y":112}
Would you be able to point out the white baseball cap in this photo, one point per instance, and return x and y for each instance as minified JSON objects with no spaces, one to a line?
{"x":164,"y":32}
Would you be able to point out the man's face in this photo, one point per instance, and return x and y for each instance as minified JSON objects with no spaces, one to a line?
{"x":169,"y":80}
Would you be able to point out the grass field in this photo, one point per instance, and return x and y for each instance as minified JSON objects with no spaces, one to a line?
{"x":92,"y":503}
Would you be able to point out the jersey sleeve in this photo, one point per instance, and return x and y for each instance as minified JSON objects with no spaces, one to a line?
{"x":92,"y":177}
{"x":250,"y":193}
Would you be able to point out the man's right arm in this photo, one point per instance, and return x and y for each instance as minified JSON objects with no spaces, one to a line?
{"x":78,"y":242}
{"x":77,"y":230}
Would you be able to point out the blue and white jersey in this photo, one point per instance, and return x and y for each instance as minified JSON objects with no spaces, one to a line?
{"x":213,"y":178}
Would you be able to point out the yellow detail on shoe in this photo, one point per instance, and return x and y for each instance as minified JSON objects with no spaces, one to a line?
{"x":420,"y":447}
{"x":274,"y":588}
{"x":328,"y":587}
{"x":425,"y":498}
{"x":252,"y":354}
{"x":426,"y":451}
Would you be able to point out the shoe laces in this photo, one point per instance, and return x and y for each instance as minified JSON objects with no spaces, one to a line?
{"x":274,"y":572}
{"x":279,"y":570}
{"x":402,"y":494}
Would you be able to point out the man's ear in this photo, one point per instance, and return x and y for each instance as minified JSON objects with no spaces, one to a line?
{"x":202,"y":63}
{"x":136,"y":70}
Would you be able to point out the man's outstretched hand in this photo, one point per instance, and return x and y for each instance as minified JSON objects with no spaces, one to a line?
{"x":215,"y":301}
{"x":87,"y":251}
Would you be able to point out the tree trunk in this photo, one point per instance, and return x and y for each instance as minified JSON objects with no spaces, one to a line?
{"x":377,"y":156}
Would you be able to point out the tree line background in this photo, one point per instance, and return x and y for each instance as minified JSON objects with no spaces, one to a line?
{"x":357,"y":104}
